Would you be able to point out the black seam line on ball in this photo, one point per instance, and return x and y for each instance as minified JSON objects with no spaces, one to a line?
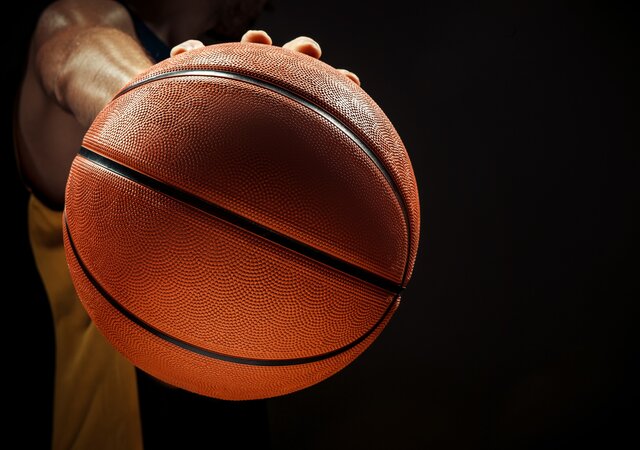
{"x":312,"y":106}
{"x":241,"y":221}
{"x":202,"y":351}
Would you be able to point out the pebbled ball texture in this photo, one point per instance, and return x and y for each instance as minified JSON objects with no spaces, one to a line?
{"x":206,"y":304}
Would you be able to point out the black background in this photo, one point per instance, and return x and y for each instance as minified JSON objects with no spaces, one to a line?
{"x":515,"y":331}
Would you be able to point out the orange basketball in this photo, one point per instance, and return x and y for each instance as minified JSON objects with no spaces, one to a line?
{"x":241,"y":220}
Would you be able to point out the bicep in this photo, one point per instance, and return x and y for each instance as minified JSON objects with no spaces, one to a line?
{"x":81,"y":53}
{"x":63,"y":14}
{"x":84,"y":53}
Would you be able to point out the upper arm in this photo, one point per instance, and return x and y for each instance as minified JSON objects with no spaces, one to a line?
{"x":63,"y":14}
{"x":82,"y":52}
{"x":61,"y":28}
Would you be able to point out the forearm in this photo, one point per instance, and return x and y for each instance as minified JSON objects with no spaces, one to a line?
{"x":83,"y":67}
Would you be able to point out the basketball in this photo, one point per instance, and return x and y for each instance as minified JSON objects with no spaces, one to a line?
{"x":241,"y":221}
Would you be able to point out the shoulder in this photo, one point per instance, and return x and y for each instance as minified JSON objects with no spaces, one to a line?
{"x":63,"y":14}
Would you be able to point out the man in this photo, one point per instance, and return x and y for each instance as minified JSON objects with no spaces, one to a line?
{"x":82,"y":52}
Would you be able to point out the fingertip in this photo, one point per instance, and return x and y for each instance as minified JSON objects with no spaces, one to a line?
{"x":306,"y":45}
{"x":352,"y":76}
{"x":191,"y":44}
{"x":310,"y":48}
{"x":256,"y":37}
{"x":176,"y":51}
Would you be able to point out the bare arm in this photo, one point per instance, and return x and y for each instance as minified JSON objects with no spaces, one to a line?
{"x":84,"y":52}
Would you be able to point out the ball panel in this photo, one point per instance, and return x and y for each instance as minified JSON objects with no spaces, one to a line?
{"x":263,"y":156}
{"x":209,"y":283}
{"x":323,"y":85}
{"x":197,"y":373}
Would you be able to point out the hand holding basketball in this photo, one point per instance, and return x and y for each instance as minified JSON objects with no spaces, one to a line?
{"x":302,"y":44}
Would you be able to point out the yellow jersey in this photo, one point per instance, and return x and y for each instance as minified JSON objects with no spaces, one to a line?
{"x":95,"y":392}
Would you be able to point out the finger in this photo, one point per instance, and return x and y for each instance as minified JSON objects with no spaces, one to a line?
{"x":352,"y":76}
{"x":256,"y":37}
{"x":304,"y":45}
{"x":186,"y":46}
